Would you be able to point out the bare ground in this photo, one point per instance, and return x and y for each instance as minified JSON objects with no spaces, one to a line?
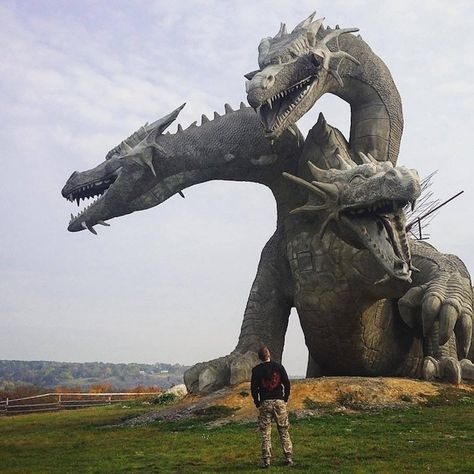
{"x":309,"y":397}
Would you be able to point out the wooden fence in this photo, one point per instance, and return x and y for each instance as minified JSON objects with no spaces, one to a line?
{"x":64,"y":401}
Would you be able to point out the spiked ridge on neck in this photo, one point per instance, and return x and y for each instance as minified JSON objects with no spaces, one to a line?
{"x":146,"y":169}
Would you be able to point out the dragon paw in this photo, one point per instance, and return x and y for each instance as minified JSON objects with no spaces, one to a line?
{"x":443,"y":305}
{"x":447,"y":368}
{"x":206,"y":377}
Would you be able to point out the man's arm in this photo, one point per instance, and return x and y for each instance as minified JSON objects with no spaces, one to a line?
{"x":254,"y":389}
{"x":286,"y":383}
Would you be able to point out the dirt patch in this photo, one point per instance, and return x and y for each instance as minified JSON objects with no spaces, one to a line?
{"x":309,"y":397}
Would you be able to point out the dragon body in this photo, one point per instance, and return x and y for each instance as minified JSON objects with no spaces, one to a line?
{"x":370,"y":300}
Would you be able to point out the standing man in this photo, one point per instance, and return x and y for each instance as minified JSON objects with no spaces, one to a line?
{"x":270,"y":391}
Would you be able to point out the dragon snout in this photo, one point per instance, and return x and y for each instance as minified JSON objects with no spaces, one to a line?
{"x":67,"y":186}
{"x":407,"y":181}
{"x":260,"y":84}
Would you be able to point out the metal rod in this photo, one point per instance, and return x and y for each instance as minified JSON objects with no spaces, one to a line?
{"x":411,"y":224}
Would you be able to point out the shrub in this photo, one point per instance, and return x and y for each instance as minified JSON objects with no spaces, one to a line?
{"x":164,"y":399}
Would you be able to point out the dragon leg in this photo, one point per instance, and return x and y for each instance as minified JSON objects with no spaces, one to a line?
{"x":265,"y":323}
{"x":439,"y":306}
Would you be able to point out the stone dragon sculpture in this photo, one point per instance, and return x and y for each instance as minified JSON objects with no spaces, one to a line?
{"x":370,"y":300}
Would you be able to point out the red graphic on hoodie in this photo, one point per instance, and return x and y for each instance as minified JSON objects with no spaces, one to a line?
{"x":272,"y":383}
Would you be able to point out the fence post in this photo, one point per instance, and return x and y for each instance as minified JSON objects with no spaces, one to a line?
{"x":110,"y":399}
{"x":7,"y":401}
{"x":59,"y":400}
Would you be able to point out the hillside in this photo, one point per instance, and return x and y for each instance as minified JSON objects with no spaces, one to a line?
{"x":83,"y":375}
{"x":338,"y":424}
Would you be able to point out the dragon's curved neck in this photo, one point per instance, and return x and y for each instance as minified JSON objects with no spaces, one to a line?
{"x":376,"y":118}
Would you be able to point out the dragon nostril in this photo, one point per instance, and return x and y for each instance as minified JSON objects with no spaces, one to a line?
{"x":269,"y":81}
{"x":391,"y":174}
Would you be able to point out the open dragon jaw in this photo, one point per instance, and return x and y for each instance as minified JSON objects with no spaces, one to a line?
{"x":371,"y":300}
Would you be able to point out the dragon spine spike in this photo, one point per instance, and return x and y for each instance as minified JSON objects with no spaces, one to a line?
{"x":216,"y":115}
{"x":194,"y":124}
{"x":180,"y":128}
{"x":282,"y":31}
{"x":242,"y":105}
{"x":228,"y":109}
{"x":305,"y":22}
{"x":204,"y":119}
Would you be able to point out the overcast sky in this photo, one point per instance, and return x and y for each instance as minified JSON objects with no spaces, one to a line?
{"x":170,"y":284}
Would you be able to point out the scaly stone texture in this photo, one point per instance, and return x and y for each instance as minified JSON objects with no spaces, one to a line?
{"x":371,"y":301}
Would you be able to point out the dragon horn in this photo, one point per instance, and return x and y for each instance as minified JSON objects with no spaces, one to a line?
{"x":343,"y":164}
{"x":328,"y":189}
{"x":372,"y":158}
{"x":313,"y":29}
{"x":306,"y":184}
{"x":308,"y":208}
{"x":318,"y":173}
{"x":344,"y":54}
{"x":163,"y":123}
{"x":126,"y":146}
{"x":364,"y":158}
{"x":336,"y":33}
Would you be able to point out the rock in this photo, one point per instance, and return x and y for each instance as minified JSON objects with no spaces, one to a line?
{"x":179,"y":391}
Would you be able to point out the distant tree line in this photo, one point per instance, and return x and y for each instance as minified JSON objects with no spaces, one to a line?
{"x":86,"y":374}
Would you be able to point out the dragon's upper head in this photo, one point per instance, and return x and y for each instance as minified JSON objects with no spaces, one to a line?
{"x":296,"y":69}
{"x":124,"y":182}
{"x":364,"y":203}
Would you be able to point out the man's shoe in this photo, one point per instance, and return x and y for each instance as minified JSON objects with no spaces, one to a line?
{"x":289,"y":462}
{"x":265,"y":464}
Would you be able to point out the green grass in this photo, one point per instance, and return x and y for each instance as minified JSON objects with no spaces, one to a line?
{"x":437,"y":438}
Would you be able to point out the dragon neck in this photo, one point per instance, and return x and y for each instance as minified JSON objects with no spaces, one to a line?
{"x":376,"y":109}
{"x":231,"y":147}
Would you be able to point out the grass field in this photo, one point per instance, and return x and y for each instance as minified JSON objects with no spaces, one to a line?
{"x":436,"y":438}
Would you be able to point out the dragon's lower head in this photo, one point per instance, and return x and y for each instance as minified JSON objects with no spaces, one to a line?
{"x":364,"y":204}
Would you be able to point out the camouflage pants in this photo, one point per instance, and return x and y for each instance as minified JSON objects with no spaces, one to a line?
{"x":274,"y":410}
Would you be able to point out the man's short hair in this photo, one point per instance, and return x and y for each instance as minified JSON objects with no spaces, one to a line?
{"x":264,"y":353}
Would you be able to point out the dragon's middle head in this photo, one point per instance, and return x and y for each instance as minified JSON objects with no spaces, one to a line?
{"x":296,"y":69}
{"x":364,"y":204}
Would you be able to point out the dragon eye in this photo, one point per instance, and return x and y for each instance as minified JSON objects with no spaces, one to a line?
{"x":357,"y":179}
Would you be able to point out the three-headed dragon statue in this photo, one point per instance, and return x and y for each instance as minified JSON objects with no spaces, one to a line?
{"x":371,"y":300}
